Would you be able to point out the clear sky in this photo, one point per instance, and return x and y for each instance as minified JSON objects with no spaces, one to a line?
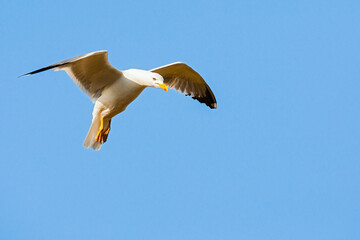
{"x":279,"y":158}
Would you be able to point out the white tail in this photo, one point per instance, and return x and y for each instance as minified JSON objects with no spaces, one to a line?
{"x":90,"y":140}
{"x":94,"y":140}
{"x":99,"y":129}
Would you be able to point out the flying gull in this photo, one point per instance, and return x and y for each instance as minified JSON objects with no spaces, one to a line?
{"x":113,"y":90}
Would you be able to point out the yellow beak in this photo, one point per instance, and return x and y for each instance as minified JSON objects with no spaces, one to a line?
{"x":163,"y":86}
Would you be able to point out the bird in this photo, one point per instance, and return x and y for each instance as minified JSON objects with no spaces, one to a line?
{"x":112,"y":90}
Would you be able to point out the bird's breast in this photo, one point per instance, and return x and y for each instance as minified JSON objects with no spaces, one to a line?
{"x":119,"y":95}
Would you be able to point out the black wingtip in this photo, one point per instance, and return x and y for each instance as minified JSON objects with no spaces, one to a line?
{"x":24,"y":75}
{"x":208,"y":99}
{"x":45,"y":68}
{"x":211,"y":105}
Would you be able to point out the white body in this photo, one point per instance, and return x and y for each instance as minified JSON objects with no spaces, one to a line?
{"x":115,"y":98}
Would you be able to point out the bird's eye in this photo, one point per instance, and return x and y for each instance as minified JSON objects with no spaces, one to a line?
{"x":154,"y":79}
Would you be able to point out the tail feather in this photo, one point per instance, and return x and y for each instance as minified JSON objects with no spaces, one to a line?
{"x":90,"y":140}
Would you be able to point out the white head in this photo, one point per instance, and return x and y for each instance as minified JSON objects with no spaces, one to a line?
{"x":145,"y":78}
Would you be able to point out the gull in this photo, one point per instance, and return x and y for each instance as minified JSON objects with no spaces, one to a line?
{"x":112,"y":90}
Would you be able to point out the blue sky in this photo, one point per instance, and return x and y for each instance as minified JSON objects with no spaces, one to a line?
{"x":278,"y":159}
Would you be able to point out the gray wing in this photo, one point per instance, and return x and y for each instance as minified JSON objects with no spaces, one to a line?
{"x":92,"y":72}
{"x":184,"y":79}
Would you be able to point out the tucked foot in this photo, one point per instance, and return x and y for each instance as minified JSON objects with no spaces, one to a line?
{"x":102,"y":134}
{"x":101,"y":129}
{"x":105,"y":135}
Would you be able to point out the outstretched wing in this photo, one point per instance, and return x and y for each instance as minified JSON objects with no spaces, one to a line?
{"x":92,"y":72}
{"x":184,"y":79}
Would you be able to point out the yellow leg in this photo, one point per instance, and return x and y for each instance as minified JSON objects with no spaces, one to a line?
{"x":99,"y":134}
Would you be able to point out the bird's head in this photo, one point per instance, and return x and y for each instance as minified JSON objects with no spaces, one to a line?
{"x":145,"y":78}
